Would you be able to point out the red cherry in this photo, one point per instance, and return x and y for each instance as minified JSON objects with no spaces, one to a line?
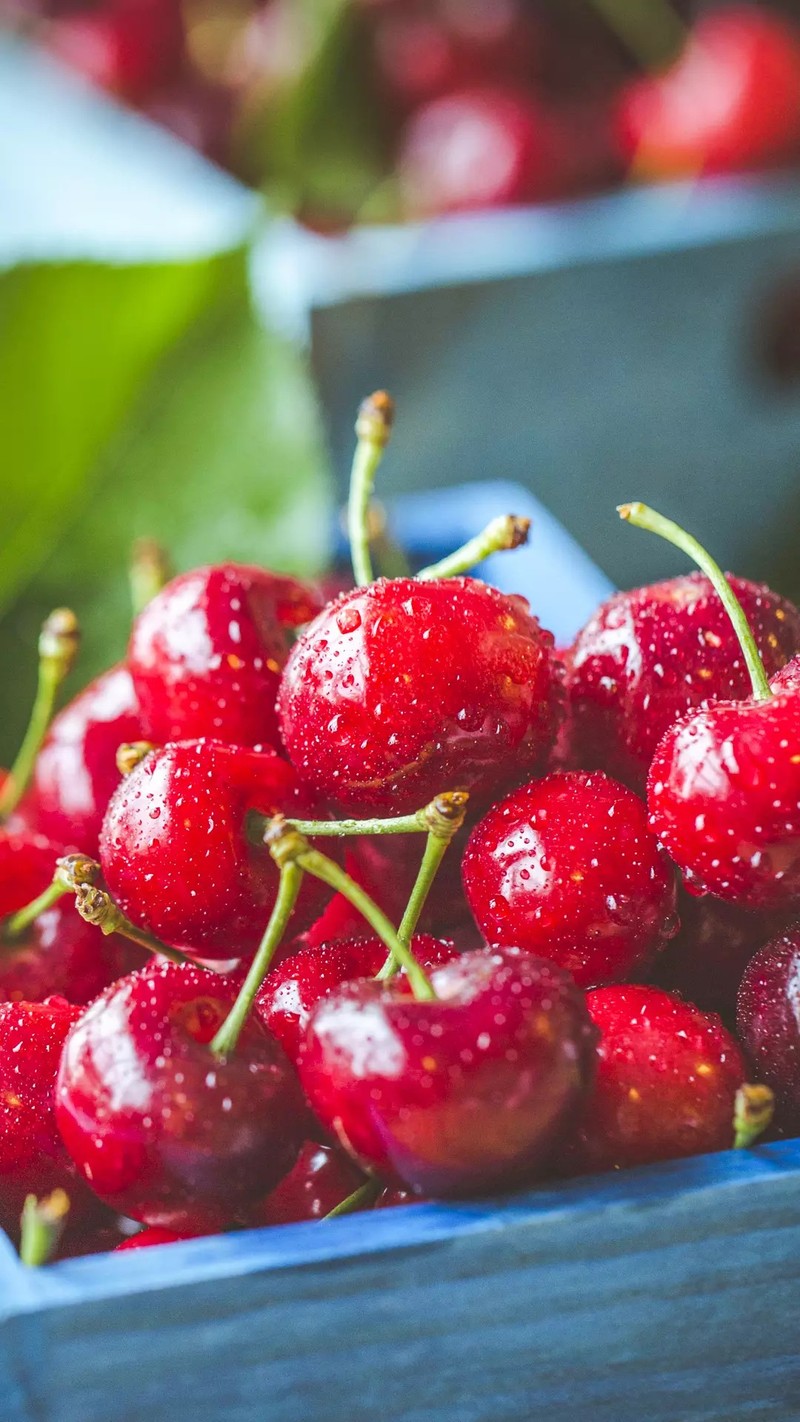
{"x":125,"y":46}
{"x":648,"y":656}
{"x":465,"y":1093}
{"x":59,"y":953}
{"x":320,"y":1179}
{"x":206,"y":653}
{"x":394,"y":1195}
{"x":477,"y":148}
{"x":724,"y":799}
{"x":767,"y":1021}
{"x":387,"y":866}
{"x":716,"y":942}
{"x":567,"y":868}
{"x":730,"y":102}
{"x":405,"y":688}
{"x":146,"y":1238}
{"x":174,"y":849}
{"x":32,"y":1157}
{"x":666,"y":1085}
{"x":164,"y":1131}
{"x":293,"y":988}
{"x":75,"y":773}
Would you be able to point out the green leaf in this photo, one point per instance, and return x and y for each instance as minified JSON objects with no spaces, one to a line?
{"x":221,"y":458}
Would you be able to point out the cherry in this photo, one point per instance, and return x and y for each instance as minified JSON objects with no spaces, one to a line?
{"x":164,"y":1130}
{"x":125,"y":46}
{"x":321,"y":1178}
{"x":730,"y":102}
{"x":75,"y":773}
{"x":466,"y":1092}
{"x":667,"y":1080}
{"x":706,"y":961}
{"x":32,"y":1157}
{"x":567,"y":868}
{"x":481,"y":147}
{"x":175,"y":853}
{"x":769,"y":1024}
{"x":394,"y":1195}
{"x":648,"y":656}
{"x":387,"y":867}
{"x":405,"y":686}
{"x":57,"y":953}
{"x":150,"y":1235}
{"x":292,"y":989}
{"x":206,"y":653}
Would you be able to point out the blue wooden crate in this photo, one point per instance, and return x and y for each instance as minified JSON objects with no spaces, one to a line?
{"x":669,"y":1294}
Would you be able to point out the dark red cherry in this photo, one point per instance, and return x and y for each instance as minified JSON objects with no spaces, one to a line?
{"x":716,"y":942}
{"x":206,"y":653}
{"x":125,"y":46}
{"x":292,"y":989}
{"x":75,"y":773}
{"x":567,"y":868}
{"x":666,"y":1084}
{"x":395,"y":1195}
{"x":147,"y":1237}
{"x":648,"y":656}
{"x":32,"y":1157}
{"x":405,"y":688}
{"x":163,"y":1130}
{"x":176,"y":856}
{"x":724,"y":800}
{"x":387,"y":866}
{"x":320,"y":1179}
{"x":59,"y":954}
{"x":730,"y":102}
{"x":465,"y":1093}
{"x":768,"y":1021}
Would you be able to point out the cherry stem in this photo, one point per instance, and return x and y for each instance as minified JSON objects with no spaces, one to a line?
{"x":97,"y":907}
{"x":505,"y":532}
{"x":441,"y":807}
{"x":653,"y":33}
{"x":130,"y":754}
{"x":287,"y":845}
{"x":148,"y":573}
{"x":365,"y":1195}
{"x":59,"y":641}
{"x":753,"y":1110}
{"x":641,"y":516}
{"x":224,"y":1043}
{"x":445,"y":818}
{"x":71,"y":870}
{"x":42,"y":1225}
{"x":373,"y":430}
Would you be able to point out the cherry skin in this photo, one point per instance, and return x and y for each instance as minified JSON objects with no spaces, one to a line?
{"x":724,"y":799}
{"x":481,"y":147}
{"x":164,"y":1131}
{"x":731,"y":102}
{"x":648,"y":656}
{"x":59,"y":954}
{"x":567,"y":868}
{"x":75,"y":773}
{"x":320,"y":1179}
{"x":175,"y":854}
{"x":292,"y":990}
{"x":206,"y":653}
{"x":706,"y":961}
{"x":467,"y":1093}
{"x":387,"y":866}
{"x":32,"y":1157}
{"x":666,"y":1084}
{"x":767,"y":1021}
{"x":125,"y":46}
{"x":146,"y":1238}
{"x":404,"y":688}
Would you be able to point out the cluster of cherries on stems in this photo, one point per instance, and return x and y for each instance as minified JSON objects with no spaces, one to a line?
{"x":233,"y":988}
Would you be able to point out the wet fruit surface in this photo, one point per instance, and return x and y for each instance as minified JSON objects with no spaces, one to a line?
{"x":768,"y":1020}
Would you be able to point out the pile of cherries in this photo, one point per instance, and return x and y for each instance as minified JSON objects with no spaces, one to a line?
{"x":235,"y":989}
{"x":481,"y":103}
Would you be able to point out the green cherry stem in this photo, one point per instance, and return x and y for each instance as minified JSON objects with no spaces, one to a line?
{"x":445,"y":817}
{"x":97,"y":907}
{"x":148,"y":573}
{"x":224,"y":1043}
{"x":41,"y":1227}
{"x":71,"y":870}
{"x":59,"y":641}
{"x":753,"y":1110}
{"x":418,"y":823}
{"x":505,"y":532}
{"x":364,"y":1196}
{"x":373,"y":430}
{"x":641,"y":516}
{"x":286,"y":845}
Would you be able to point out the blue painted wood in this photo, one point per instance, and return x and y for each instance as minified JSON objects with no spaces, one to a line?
{"x":670,"y":1294}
